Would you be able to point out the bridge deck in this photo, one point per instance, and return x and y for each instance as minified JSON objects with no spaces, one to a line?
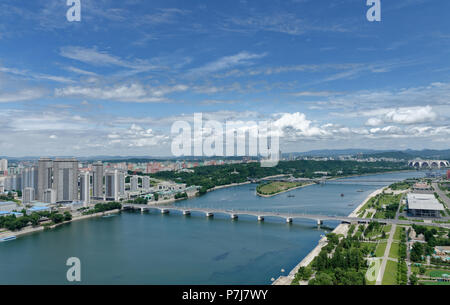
{"x":316,"y":217}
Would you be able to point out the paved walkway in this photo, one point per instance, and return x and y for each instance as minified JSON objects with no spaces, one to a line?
{"x":441,"y":194}
{"x":386,"y":255}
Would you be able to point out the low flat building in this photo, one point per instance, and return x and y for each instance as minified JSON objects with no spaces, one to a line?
{"x":8,"y":206}
{"x":442,"y":252}
{"x":423,"y":205}
{"x":422,"y":187}
{"x":37,"y":209}
{"x":17,"y":214}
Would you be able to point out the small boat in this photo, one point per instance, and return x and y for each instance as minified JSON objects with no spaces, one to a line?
{"x":342,"y":195}
{"x":350,"y":205}
{"x":108,"y":216}
{"x":290,"y":196}
{"x":8,"y":238}
{"x":360,"y":191}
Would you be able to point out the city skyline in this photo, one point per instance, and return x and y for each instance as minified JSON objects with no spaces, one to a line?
{"x":115,"y":82}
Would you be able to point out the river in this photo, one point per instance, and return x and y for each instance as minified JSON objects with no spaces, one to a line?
{"x":150,"y":248}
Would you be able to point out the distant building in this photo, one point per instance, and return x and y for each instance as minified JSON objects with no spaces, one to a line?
{"x":3,"y":165}
{"x":134,"y":183}
{"x":37,"y":209}
{"x":146,"y":182}
{"x":30,"y":179}
{"x":8,"y":206}
{"x":65,"y":179}
{"x":45,"y":173}
{"x":114,"y":185}
{"x":422,"y":187}
{"x":171,"y":186}
{"x":97,"y":180}
{"x":423,"y":205}
{"x":28,"y":195}
{"x":85,"y":188}
{"x":49,"y":196}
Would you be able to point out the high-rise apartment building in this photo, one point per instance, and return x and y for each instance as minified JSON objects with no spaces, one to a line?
{"x":146,"y":183}
{"x":3,"y":165}
{"x":65,"y":179}
{"x":97,"y":180}
{"x":134,"y":183}
{"x":114,"y":185}
{"x":49,"y":196}
{"x":85,"y":188}
{"x":28,"y":195}
{"x":45,"y":174}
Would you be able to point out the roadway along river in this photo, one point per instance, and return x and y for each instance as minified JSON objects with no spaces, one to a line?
{"x":134,"y":248}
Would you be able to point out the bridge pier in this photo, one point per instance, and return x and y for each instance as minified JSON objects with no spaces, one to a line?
{"x":260,"y":218}
{"x":142,"y":210}
{"x":234,"y":216}
{"x":289,"y":220}
{"x":186,"y":212}
{"x":209,"y":214}
{"x":319,"y":222}
{"x":165,"y":211}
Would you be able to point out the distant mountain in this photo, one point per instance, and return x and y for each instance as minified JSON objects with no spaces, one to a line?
{"x":366,"y":153}
{"x":413,"y":154}
{"x":361,"y":153}
{"x":332,"y":152}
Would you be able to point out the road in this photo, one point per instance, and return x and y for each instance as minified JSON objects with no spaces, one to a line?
{"x":386,"y":255}
{"x":442,"y":195}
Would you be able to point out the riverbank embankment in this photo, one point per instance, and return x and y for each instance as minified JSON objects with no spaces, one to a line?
{"x":29,"y":230}
{"x":340,"y":229}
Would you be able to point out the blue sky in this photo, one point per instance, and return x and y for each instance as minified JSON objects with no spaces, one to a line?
{"x":116,"y":81}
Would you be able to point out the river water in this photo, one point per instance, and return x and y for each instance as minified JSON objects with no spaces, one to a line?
{"x":150,"y":248}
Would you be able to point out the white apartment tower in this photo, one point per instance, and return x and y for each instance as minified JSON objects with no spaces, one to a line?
{"x":85,"y":188}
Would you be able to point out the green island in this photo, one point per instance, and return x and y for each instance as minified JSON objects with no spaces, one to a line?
{"x":276,"y":187}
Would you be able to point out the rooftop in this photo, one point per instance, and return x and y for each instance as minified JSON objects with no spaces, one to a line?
{"x":423,"y":202}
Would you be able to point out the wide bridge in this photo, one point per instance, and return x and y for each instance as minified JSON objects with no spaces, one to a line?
{"x":261,"y":215}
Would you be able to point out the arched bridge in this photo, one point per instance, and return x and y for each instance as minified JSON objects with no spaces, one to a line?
{"x":429,"y":163}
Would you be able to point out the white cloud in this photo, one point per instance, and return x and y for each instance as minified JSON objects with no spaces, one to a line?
{"x":300,"y":126}
{"x":411,"y":115}
{"x":403,"y":116}
{"x":124,"y":93}
{"x":102,"y":58}
{"x":227,"y":62}
{"x":20,"y":96}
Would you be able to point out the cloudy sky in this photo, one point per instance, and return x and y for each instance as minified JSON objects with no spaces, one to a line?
{"x":116,"y":81}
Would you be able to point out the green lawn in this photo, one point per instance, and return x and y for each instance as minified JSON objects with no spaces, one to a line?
{"x":398,"y":233}
{"x":390,"y":274}
{"x":387,"y":228}
{"x":381,"y":247}
{"x":393,"y":252}
{"x":369,"y":246}
{"x":437,"y":272}
{"x":434,"y":283}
